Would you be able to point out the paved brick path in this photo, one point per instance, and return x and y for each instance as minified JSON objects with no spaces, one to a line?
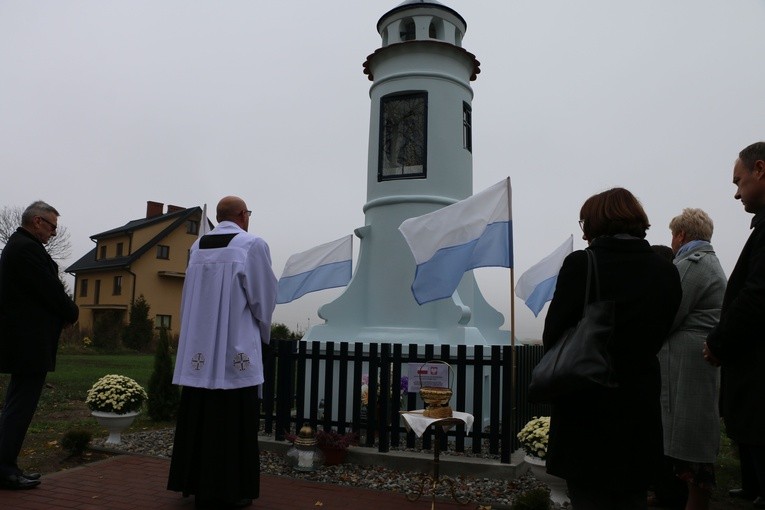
{"x":132,"y":482}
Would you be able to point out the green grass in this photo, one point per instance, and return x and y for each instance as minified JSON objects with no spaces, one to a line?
{"x":77,"y":372}
{"x":67,"y":387}
{"x":62,"y":405}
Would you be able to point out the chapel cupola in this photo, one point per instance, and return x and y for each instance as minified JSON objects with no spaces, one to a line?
{"x":421,"y":20}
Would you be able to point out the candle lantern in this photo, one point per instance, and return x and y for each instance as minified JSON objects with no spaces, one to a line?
{"x":304,"y":455}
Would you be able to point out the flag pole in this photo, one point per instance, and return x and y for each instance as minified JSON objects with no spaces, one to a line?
{"x":513,"y":357}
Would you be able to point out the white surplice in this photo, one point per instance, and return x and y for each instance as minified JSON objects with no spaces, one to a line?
{"x":229,"y":296}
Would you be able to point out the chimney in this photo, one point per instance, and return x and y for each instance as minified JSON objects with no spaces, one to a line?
{"x":174,"y":208}
{"x":153,"y":209}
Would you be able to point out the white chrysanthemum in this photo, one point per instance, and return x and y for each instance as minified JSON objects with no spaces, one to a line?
{"x":115,"y":393}
{"x":534,"y":436}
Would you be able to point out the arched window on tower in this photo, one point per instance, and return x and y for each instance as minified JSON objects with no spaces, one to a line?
{"x":408,"y":30}
{"x":433,"y":30}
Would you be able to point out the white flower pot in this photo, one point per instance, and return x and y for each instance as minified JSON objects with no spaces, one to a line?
{"x":115,"y":424}
{"x":557,"y":486}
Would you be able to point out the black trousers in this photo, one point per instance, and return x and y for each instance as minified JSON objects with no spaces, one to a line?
{"x":215,"y":450}
{"x":752,"y":459}
{"x":20,"y":404}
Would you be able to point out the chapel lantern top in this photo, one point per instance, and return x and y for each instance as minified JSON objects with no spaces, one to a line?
{"x":421,"y":20}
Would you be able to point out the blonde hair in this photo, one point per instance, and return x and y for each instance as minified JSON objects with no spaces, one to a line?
{"x":696,"y":224}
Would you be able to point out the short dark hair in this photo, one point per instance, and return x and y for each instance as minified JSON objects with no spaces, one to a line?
{"x":615,"y":211}
{"x":751,"y":154}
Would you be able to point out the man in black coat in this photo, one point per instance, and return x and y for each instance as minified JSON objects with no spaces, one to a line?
{"x":34,"y":307}
{"x":737,"y":344}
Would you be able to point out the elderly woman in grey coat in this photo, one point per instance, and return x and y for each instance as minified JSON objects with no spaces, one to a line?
{"x":689,"y":390}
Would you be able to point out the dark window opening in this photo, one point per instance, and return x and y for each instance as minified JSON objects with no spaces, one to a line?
{"x":467,"y":127}
{"x":162,"y":321}
{"x":192,"y":227}
{"x":163,"y":252}
{"x":408,"y":30}
{"x":403,"y":137}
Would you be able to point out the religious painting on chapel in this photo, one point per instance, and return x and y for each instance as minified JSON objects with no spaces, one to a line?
{"x":403,"y":136}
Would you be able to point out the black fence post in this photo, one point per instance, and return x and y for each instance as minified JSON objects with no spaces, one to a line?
{"x":411,"y":400}
{"x":508,"y":401}
{"x":358,"y":366}
{"x":342,"y":389}
{"x":383,"y":444}
{"x":461,"y":376}
{"x":477,"y":398}
{"x":372,"y":402}
{"x":285,"y":387}
{"x":396,"y":396}
{"x":329,"y":379}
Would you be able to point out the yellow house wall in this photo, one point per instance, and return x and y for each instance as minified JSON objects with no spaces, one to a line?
{"x":111,"y":246}
{"x":106,"y":296}
{"x":162,"y":293}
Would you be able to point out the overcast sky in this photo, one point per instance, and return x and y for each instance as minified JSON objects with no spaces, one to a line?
{"x":105,"y":105}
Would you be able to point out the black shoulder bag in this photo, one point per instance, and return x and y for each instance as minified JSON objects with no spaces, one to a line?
{"x":580,"y":359}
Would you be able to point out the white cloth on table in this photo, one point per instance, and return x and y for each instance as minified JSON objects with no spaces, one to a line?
{"x":415,"y":421}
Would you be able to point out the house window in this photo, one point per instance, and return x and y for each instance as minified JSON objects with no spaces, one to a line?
{"x":119,"y":249}
{"x":103,"y":252}
{"x":467,"y":127}
{"x":117,"y":286}
{"x":84,"y":287}
{"x":192,"y":227}
{"x":163,"y":252}
{"x":403,"y":137}
{"x":162,"y":321}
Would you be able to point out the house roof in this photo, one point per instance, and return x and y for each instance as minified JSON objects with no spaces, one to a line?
{"x":88,"y":262}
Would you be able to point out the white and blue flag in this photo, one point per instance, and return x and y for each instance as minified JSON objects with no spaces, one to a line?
{"x":323,"y":267}
{"x":537,"y":285}
{"x":475,"y":232}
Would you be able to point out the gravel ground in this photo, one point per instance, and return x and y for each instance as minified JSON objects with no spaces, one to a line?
{"x":494,"y":494}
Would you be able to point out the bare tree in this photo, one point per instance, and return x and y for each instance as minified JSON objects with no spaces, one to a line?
{"x":58,"y":247}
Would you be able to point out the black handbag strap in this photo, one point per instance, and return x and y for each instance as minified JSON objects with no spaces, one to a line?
{"x":592,"y":277}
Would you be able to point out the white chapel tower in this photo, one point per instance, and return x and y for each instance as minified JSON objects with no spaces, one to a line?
{"x":420,"y":159}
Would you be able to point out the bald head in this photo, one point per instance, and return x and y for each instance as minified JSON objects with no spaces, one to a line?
{"x":234,"y":209}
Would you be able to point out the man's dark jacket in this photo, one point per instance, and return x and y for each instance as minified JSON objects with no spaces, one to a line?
{"x":34,"y":306}
{"x":738,"y":342}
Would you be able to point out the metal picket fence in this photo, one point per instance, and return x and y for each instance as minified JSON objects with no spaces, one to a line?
{"x":320,"y":383}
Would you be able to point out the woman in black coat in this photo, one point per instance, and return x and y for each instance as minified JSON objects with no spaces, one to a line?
{"x":607,"y":443}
